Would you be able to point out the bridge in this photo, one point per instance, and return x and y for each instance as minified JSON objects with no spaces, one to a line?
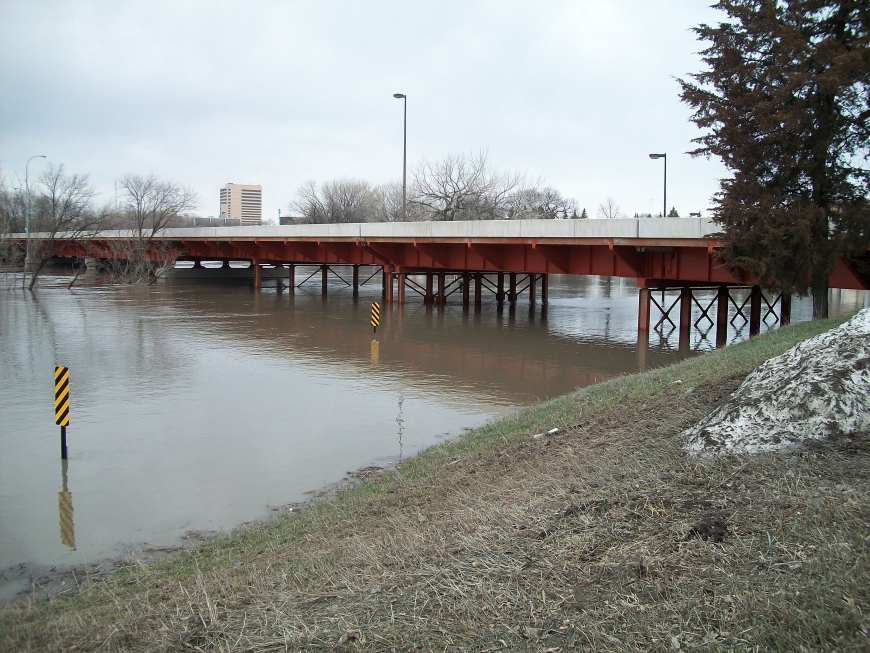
{"x":504,"y":257}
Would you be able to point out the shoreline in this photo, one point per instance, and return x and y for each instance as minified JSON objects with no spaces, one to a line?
{"x":45,"y":582}
{"x":603,"y":535}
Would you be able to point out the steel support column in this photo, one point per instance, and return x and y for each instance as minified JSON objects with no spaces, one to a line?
{"x":400,"y":277}
{"x":466,"y":278}
{"x":643,"y":311}
{"x":722,"y":316}
{"x":642,"y":345}
{"x":545,"y":289}
{"x":257,"y":273}
{"x":291,"y":278}
{"x":533,"y":281}
{"x":512,"y":289}
{"x":430,"y":295}
{"x":355,"y":280}
{"x":478,"y":289}
{"x":388,"y":280}
{"x":785,"y":309}
{"x":442,"y":296}
{"x":499,"y":291}
{"x":685,"y":317}
{"x":755,"y":311}
{"x":324,"y":279}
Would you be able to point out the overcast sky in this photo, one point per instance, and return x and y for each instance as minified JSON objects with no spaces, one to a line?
{"x":576,"y":92}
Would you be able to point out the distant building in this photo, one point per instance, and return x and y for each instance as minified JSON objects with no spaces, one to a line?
{"x":243,"y":202}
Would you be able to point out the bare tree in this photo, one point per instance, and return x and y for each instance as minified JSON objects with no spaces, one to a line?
{"x":150,"y":206}
{"x":11,"y":221}
{"x":338,"y":201}
{"x":388,"y":203}
{"x":462,"y":187}
{"x":61,"y":213}
{"x":539,"y":202}
{"x":610,"y":210}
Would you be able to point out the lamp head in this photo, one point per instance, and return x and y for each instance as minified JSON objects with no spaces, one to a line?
{"x":658,"y":156}
{"x":398,"y":96}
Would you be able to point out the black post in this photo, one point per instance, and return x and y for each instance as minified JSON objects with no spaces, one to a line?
{"x":63,"y":442}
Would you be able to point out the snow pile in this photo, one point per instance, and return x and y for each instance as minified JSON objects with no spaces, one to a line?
{"x":816,"y":390}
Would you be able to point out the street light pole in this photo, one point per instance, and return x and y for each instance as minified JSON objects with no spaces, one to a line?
{"x":665,"y":204}
{"x":402,"y":96}
{"x":27,"y":209}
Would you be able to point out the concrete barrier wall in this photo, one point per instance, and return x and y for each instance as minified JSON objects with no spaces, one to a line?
{"x":666,"y":228}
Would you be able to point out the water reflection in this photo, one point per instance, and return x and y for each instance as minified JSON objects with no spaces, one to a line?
{"x":65,"y":508}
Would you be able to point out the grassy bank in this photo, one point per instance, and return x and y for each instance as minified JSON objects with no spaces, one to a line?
{"x":602,"y":537}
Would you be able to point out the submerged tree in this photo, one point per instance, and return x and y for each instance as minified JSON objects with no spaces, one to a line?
{"x":785,"y":105}
{"x":61,"y":213}
{"x":150,"y":206}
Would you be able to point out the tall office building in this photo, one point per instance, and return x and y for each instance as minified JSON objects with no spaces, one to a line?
{"x":243,"y":202}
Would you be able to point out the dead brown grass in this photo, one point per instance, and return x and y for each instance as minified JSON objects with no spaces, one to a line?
{"x":602,"y":537}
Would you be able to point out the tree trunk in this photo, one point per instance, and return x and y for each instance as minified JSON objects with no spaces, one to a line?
{"x":34,"y":275}
{"x":820,"y":299}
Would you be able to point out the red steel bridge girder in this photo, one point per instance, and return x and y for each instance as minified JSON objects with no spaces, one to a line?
{"x":679,"y":261}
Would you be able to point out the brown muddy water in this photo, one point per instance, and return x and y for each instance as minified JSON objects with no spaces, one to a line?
{"x":196,"y":407}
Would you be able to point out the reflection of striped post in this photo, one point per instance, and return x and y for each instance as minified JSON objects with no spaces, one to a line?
{"x":65,"y":507}
{"x":67,"y":530}
{"x":376,"y":315}
{"x":61,"y":404}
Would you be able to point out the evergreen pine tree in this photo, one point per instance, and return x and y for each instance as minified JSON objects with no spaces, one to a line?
{"x":785,"y":103}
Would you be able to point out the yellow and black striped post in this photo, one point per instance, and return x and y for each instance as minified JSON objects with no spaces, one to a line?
{"x":376,"y":315}
{"x":61,"y":404}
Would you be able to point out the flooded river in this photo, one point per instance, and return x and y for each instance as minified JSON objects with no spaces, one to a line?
{"x":196,"y":407}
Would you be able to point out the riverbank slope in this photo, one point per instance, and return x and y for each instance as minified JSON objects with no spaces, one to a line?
{"x":603,"y":536}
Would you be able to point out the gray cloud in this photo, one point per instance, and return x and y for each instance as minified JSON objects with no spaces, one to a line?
{"x":280,"y":92}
